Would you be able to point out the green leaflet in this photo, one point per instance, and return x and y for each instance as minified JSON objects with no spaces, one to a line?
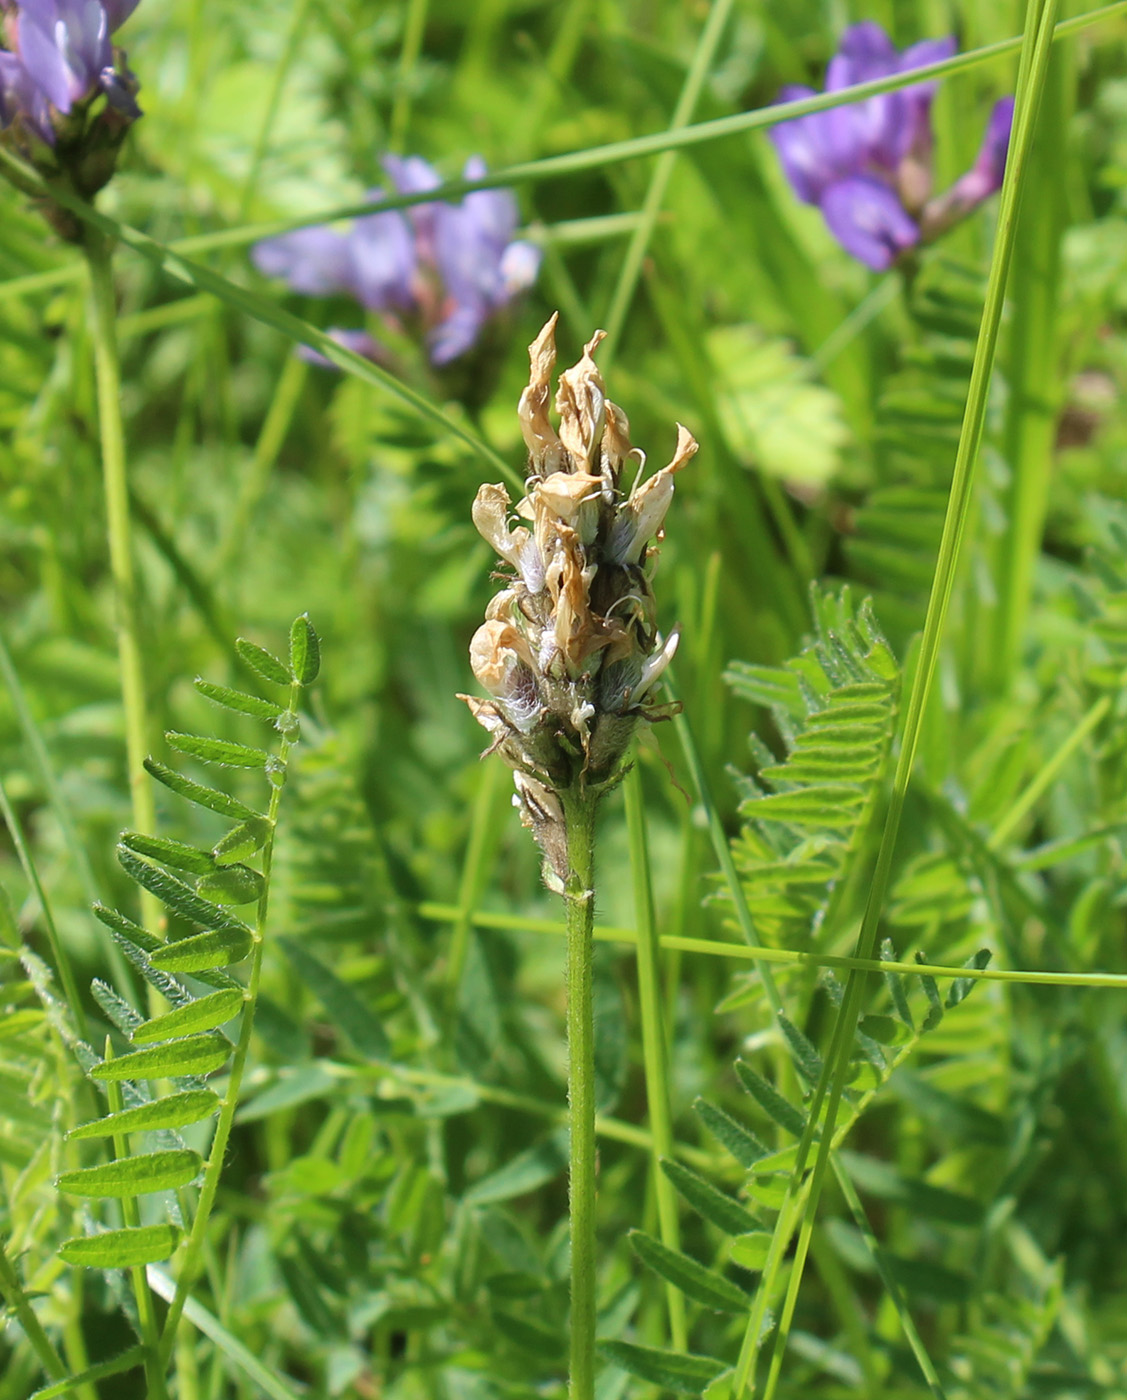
{"x":168,"y":852}
{"x":134,"y":1176}
{"x":693,"y":1279}
{"x":750,"y":1250}
{"x":176,"y":1111}
{"x":262,"y":663}
{"x":242,"y":841}
{"x":709,"y":1201}
{"x":232,"y":884}
{"x":305,"y":651}
{"x":239,"y":700}
{"x":202,"y":796}
{"x":770,"y":1100}
{"x":202,"y":1015}
{"x":806,"y":1059}
{"x":744,"y":1146}
{"x":221,"y":751}
{"x":178,"y":896}
{"x":680,"y":1372}
{"x":122,"y":1249}
{"x":197,"y":1054}
{"x":219,"y":948}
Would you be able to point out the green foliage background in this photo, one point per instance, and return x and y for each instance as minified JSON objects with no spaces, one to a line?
{"x":391,"y":1220}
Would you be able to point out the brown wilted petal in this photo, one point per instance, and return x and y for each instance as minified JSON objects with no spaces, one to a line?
{"x":496,"y":650}
{"x":574,"y":498}
{"x":543,"y":442}
{"x":491,"y":510}
{"x":617,"y":447}
{"x":581,"y":405}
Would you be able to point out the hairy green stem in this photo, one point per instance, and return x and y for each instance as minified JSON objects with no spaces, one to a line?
{"x":193,"y":1250}
{"x":655,"y":1051}
{"x":103,"y":330}
{"x":579,"y":899}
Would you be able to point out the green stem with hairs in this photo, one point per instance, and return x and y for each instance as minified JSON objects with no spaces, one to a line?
{"x":193,"y":1251}
{"x":103,"y":330}
{"x":579,"y":900}
{"x":655,"y":1049}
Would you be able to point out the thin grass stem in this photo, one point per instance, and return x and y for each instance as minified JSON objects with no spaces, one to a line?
{"x":831,"y":1084}
{"x":414,"y":28}
{"x":627,"y":283}
{"x":99,"y":257}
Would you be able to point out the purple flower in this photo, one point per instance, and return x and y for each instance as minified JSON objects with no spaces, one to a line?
{"x":867,"y":165}
{"x":445,"y":268}
{"x":61,"y":56}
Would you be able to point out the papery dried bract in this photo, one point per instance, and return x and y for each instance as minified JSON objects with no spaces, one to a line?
{"x":569,"y":651}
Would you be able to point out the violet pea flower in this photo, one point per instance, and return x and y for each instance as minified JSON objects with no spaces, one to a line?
{"x":60,"y":56}
{"x":868,"y":165}
{"x":445,"y":269}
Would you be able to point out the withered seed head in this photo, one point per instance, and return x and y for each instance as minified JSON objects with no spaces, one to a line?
{"x":570,"y":653}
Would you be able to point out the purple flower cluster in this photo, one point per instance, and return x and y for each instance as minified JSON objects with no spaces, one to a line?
{"x":59,"y":55}
{"x":447,"y":268}
{"x":867,"y":165}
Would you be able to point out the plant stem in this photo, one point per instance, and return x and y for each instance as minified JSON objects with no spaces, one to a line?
{"x":655,"y":1051}
{"x":12,"y":1291}
{"x":193,"y":1250}
{"x":579,"y":900}
{"x":103,"y":330}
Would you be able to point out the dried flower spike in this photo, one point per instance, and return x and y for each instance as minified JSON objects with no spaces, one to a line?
{"x":569,"y":652}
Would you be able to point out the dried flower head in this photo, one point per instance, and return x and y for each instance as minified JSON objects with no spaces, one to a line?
{"x":569,"y":652}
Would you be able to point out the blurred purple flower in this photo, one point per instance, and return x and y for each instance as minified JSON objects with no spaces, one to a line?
{"x":447,"y":267}
{"x":867,"y":165}
{"x":60,"y":56}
